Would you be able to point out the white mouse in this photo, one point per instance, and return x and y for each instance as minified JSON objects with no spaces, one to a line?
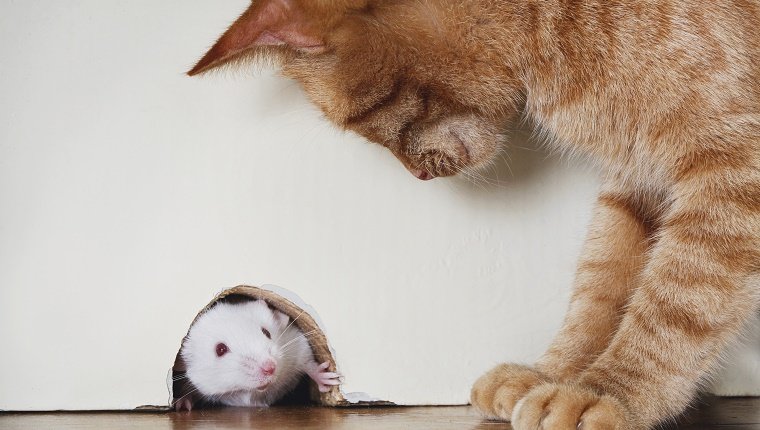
{"x":249,"y":355}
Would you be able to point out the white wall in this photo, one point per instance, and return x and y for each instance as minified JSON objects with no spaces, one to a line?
{"x":130,"y":194}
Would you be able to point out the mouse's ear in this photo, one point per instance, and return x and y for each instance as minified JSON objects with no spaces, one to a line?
{"x":281,"y":318}
{"x":265,"y":23}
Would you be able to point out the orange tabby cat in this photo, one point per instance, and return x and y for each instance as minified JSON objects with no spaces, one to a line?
{"x":664,"y":93}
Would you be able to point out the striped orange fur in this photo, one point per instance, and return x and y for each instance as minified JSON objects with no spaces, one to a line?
{"x":665,"y":94}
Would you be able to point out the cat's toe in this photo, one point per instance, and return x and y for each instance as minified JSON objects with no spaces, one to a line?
{"x":495,"y":394}
{"x":566,"y":407}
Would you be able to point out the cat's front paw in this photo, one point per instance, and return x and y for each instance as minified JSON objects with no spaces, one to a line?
{"x":568,"y":407}
{"x":495,"y":394}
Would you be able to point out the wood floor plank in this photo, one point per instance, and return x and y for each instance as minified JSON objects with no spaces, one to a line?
{"x":713,"y":413}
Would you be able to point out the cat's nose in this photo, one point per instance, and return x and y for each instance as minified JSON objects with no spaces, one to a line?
{"x":422,"y":174}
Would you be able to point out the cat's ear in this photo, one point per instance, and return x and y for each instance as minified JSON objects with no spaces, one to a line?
{"x":265,"y":23}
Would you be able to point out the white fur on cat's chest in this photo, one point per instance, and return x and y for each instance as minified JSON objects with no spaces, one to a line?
{"x":584,"y":130}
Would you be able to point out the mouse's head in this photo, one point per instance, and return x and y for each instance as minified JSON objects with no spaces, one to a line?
{"x":233,"y":347}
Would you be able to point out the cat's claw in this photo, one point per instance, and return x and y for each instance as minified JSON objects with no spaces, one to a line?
{"x":495,"y":394}
{"x":567,"y":407}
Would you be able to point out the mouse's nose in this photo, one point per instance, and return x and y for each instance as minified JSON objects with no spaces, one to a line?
{"x":268,"y":367}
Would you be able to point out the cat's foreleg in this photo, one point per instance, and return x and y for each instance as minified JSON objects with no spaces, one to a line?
{"x":608,"y":271}
{"x":611,"y":260}
{"x":695,"y":293}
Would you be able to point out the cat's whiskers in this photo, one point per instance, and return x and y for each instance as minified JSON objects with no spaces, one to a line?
{"x":476,"y":177}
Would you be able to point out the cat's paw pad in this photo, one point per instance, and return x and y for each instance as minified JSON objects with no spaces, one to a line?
{"x":325,"y":379}
{"x":566,"y":407}
{"x":495,"y":394}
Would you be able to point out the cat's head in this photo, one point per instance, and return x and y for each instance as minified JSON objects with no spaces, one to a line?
{"x":409,"y":75}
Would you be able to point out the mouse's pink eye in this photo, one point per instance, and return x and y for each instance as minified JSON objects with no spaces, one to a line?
{"x":221,"y":349}
{"x":266,"y":333}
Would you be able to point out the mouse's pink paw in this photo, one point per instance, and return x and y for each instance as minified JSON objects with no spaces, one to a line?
{"x":183,"y":404}
{"x":568,"y":407}
{"x":325,"y":379}
{"x":495,"y":394}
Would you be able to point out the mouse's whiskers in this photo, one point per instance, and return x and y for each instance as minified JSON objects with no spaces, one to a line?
{"x":305,"y":335}
{"x":288,"y":326}
{"x":285,"y":351}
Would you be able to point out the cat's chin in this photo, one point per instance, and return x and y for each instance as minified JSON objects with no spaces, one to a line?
{"x":450,"y":147}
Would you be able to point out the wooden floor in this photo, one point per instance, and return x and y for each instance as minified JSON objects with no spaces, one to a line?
{"x":726,"y":414}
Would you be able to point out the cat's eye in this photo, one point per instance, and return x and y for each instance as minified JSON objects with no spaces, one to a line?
{"x":266,"y":333}
{"x":221,"y":349}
